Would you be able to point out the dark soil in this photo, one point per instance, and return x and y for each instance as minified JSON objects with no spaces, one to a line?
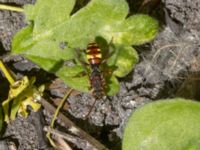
{"x":169,"y":67}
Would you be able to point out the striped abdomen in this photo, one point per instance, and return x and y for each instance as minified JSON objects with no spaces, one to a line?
{"x":93,"y":54}
{"x":97,"y":81}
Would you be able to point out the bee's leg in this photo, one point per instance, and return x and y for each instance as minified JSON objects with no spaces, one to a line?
{"x":91,"y":108}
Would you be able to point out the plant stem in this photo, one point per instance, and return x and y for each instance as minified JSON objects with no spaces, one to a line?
{"x":11,"y":8}
{"x":56,"y":114}
{"x":59,"y":107}
{"x":75,"y":130}
{"x":6,"y":73}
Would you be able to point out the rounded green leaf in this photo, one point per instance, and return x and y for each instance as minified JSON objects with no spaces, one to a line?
{"x":164,"y":125}
{"x":136,"y":30}
{"x":124,"y":59}
{"x":51,"y":24}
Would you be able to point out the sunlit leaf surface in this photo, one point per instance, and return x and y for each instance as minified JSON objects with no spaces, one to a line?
{"x":55,"y":35}
{"x":164,"y":125}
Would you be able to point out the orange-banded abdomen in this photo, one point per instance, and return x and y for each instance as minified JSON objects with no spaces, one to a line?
{"x":97,"y":82}
{"x":93,"y":54}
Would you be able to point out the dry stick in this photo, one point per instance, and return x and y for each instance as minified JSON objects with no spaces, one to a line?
{"x":68,"y":137}
{"x":11,"y":8}
{"x":72,"y":127}
{"x":60,"y":135}
{"x":62,"y":145}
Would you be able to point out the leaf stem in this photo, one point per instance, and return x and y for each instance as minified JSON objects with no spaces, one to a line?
{"x":59,"y":107}
{"x":11,"y":8}
{"x":6,"y":73}
{"x":74,"y":129}
{"x":56,"y":114}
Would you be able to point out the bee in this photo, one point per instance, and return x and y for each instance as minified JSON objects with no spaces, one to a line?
{"x":96,"y":58}
{"x":97,"y":80}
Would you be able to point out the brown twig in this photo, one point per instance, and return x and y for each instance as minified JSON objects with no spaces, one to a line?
{"x":72,"y":139}
{"x":72,"y":127}
{"x":62,"y":145}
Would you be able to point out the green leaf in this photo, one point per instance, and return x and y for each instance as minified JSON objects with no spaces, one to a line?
{"x":71,"y":71}
{"x":49,"y":55}
{"x":164,"y":125}
{"x":52,"y":23}
{"x":136,"y":30}
{"x":22,"y":41}
{"x":124,"y":59}
{"x":48,"y":14}
{"x":74,"y":78}
{"x":50,"y":50}
{"x":45,"y":16}
{"x":112,"y":85}
{"x":95,"y":19}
